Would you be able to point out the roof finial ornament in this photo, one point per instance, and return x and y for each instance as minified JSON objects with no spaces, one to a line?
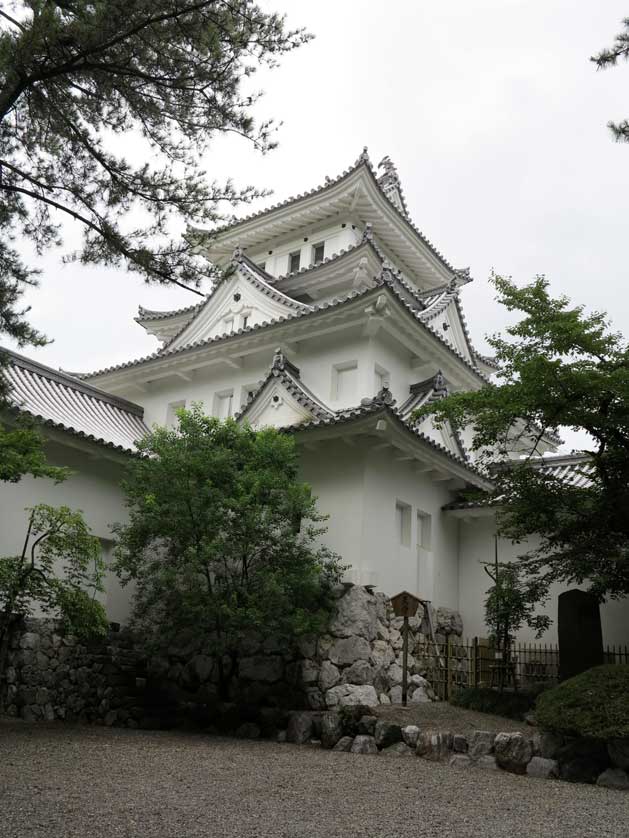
{"x":364,"y":156}
{"x":238,"y":254}
{"x":385,"y":396}
{"x":439,"y":382}
{"x":278,"y":360}
{"x":389,"y":177}
{"x":367,"y":233}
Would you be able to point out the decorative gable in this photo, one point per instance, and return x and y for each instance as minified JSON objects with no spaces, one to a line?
{"x":444,"y":316}
{"x":241,"y":300}
{"x":282,"y":399}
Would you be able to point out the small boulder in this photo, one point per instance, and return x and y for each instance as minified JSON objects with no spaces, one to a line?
{"x":459,"y":744}
{"x":513,"y":752}
{"x":488,"y":762}
{"x":356,"y":614}
{"x":347,"y":650}
{"x":383,"y":698}
{"x":300,"y":728}
{"x":331,"y":729}
{"x":434,"y":746}
{"x":387,"y":733}
{"x":360,"y":672}
{"x":344,"y":744}
{"x":364,"y":745}
{"x":547,"y":744}
{"x":542,"y":768}
{"x":614,"y":778}
{"x":481,"y":743}
{"x":410,"y":734}
{"x":329,"y":676}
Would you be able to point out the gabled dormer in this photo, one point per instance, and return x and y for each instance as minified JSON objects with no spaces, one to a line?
{"x":443,"y":314}
{"x":425,"y":393}
{"x":282,"y":399}
{"x":243,"y":298}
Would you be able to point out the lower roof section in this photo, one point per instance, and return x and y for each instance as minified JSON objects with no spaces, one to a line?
{"x":58,"y":400}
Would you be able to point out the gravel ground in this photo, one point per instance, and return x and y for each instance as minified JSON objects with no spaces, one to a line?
{"x":444,"y":716}
{"x":64,"y":782}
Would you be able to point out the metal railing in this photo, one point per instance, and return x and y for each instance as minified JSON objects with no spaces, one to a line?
{"x":456,"y":663}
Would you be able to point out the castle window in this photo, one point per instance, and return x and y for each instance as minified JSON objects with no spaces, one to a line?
{"x":294,"y":261}
{"x":317,"y":252}
{"x":345,"y":381}
{"x":403,"y":523}
{"x":223,"y":404}
{"x":381,"y":377}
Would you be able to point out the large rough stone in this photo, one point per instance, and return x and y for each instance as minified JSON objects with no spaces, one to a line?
{"x":359,"y":672}
{"x":300,"y":728}
{"x":345,"y":651}
{"x":614,"y":778}
{"x":542,"y":768}
{"x":29,"y":640}
{"x":260,"y":668}
{"x":309,"y":672}
{"x":202,"y":666}
{"x":582,"y":760}
{"x":387,"y":733}
{"x":329,"y":676}
{"x":434,"y":746}
{"x":364,"y":745}
{"x":395,"y":674}
{"x":447,"y":621}
{"x":459,"y":744}
{"x":382,"y":655}
{"x":547,"y":744}
{"x":356,"y":615}
{"x":618,"y":750}
{"x":410,"y":735}
{"x":488,"y":762}
{"x":481,"y":743}
{"x":344,"y":744}
{"x":347,"y":694}
{"x":331,"y":729}
{"x":395,"y":694}
{"x":315,"y":699}
{"x":513,"y":752}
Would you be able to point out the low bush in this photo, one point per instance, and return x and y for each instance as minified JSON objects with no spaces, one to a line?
{"x":594,"y":704}
{"x":512,"y":705}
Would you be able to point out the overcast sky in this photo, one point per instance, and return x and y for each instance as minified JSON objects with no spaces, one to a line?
{"x":495,"y":118}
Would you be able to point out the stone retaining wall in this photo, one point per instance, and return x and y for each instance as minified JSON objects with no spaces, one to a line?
{"x":358,"y":661}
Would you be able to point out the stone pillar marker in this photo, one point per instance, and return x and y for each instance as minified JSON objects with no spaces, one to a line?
{"x":580,"y":634}
{"x":405,"y":605}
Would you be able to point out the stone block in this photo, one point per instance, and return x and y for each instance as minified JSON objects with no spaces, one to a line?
{"x":268,"y":669}
{"x":459,"y":744}
{"x":348,"y":694}
{"x":614,"y":778}
{"x":360,"y":672}
{"x":398,"y":749}
{"x":367,"y":725}
{"x":488,"y":762}
{"x":315,"y":699}
{"x":300,"y":728}
{"x":410,"y":735}
{"x":344,"y":744}
{"x":364,"y":745}
{"x":347,"y":650}
{"x":331,"y":729}
{"x":513,"y":752}
{"x":329,"y":676}
{"x":434,"y":746}
{"x":542,"y":768}
{"x":481,"y":743}
{"x":387,"y":733}
{"x":460,"y":761}
{"x":309,"y":672}
{"x":356,"y":615}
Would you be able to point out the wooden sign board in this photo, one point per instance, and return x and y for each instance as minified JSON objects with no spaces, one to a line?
{"x":405,"y":604}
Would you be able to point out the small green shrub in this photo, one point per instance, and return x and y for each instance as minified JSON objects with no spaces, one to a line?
{"x":512,"y":705}
{"x":594,"y":704}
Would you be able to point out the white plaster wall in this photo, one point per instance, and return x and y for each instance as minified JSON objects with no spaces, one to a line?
{"x":476,"y":546}
{"x":338,"y":236}
{"x":432,"y":574}
{"x":336,"y":474}
{"x":93,"y":488}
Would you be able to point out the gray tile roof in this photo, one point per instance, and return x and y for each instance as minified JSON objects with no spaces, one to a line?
{"x":60,"y":401}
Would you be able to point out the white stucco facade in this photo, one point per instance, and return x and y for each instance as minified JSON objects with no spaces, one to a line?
{"x":335,"y":319}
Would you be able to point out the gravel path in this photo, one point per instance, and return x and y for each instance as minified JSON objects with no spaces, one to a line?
{"x":69,"y":782}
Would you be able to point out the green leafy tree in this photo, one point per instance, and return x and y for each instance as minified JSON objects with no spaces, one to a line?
{"x":559,"y":367}
{"x":511,"y":602}
{"x":58,"y":572}
{"x":609,"y":58}
{"x":222,"y":540}
{"x":79,"y":78}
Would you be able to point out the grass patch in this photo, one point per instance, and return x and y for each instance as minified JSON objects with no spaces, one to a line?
{"x":594,"y":704}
